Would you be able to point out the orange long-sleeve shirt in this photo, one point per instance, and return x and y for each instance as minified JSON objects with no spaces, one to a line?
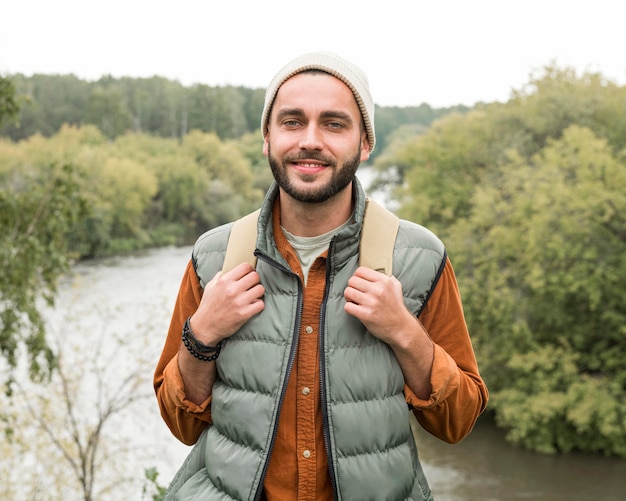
{"x":298,"y":466}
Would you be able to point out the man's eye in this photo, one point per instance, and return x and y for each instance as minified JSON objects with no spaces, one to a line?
{"x":291,"y":123}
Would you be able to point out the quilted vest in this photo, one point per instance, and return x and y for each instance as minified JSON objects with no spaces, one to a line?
{"x":371,"y":451}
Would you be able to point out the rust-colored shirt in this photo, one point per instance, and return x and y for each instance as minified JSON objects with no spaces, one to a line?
{"x":298,"y":467}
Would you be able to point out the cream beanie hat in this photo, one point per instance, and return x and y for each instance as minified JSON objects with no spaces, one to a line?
{"x":336,"y":66}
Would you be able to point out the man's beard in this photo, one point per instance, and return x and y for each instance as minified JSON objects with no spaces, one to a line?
{"x":340,"y":179}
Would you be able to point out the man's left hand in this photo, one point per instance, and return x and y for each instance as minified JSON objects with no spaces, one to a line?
{"x":376,"y":300}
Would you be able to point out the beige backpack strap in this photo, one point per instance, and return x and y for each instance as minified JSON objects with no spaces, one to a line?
{"x":242,"y":242}
{"x":378,"y":238}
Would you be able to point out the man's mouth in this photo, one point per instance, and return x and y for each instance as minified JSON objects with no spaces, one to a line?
{"x":310,"y":164}
{"x":308,"y":167}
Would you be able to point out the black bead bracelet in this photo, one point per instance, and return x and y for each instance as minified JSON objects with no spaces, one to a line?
{"x":197,"y":348}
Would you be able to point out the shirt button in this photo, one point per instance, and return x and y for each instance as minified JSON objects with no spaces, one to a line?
{"x":308,"y":329}
{"x":307,"y":454}
{"x":306,"y":390}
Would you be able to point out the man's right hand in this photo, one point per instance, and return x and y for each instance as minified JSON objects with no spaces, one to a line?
{"x":227,"y":303}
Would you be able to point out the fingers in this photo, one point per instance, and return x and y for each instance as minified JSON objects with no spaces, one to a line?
{"x":368,"y":274}
{"x":371,"y":294}
{"x":228,"y":301}
{"x":355,"y":293}
{"x":238,"y":280}
{"x":239,"y":271}
{"x":364,"y":283}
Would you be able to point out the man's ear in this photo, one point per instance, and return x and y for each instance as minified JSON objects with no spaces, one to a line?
{"x":266,"y":145}
{"x":365,"y":148}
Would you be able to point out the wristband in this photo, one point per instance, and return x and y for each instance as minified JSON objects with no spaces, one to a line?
{"x":198,"y":349}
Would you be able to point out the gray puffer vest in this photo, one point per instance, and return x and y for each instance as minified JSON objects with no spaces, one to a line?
{"x":370,"y":447}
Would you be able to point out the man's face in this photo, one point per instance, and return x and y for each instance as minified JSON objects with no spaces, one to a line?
{"x":315,"y":141}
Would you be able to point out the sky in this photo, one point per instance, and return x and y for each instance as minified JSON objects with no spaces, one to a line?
{"x":439,"y":52}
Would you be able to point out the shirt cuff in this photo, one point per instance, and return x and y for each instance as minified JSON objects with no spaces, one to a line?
{"x":175,"y":388}
{"x":444,"y":380}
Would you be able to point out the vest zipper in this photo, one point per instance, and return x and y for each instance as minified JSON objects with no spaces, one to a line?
{"x":294,"y":344}
{"x":323,"y":394}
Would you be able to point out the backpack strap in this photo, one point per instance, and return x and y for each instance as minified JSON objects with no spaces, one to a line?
{"x":242,"y":242}
{"x":378,"y":238}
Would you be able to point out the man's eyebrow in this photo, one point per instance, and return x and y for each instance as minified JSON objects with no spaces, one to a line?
{"x":337,"y":114}
{"x":289,"y":112}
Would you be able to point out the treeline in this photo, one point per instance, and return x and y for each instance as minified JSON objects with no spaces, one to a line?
{"x":530,"y":198}
{"x":161,"y":107}
{"x":136,"y":191}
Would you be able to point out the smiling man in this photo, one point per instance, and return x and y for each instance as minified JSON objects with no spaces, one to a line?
{"x":295,"y":379}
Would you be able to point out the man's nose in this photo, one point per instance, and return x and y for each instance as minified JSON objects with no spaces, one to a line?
{"x":311,"y":138}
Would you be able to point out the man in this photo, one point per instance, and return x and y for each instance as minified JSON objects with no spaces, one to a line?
{"x":296,"y":378}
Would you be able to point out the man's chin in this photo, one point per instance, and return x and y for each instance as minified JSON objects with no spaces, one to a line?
{"x":307,"y":194}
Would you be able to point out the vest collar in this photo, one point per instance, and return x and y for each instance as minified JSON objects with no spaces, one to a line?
{"x":344,"y":245}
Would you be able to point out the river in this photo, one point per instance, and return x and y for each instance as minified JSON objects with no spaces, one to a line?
{"x":128,"y":301}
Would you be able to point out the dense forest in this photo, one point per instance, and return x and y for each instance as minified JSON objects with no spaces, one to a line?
{"x":161,"y":107}
{"x":528,"y":195}
{"x":530,"y":198}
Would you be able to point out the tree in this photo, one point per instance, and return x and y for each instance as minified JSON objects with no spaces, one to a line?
{"x":529,"y":198}
{"x":108,"y":110}
{"x":37,"y":209}
{"x":69,"y":437}
{"x":542,"y":263}
{"x":439,"y":170}
{"x":231,"y":191}
{"x":8,"y":103}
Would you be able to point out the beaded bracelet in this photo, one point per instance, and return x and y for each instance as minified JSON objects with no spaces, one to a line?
{"x":197,"y":348}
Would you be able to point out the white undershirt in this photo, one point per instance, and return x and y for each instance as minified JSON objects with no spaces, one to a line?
{"x":308,"y":249}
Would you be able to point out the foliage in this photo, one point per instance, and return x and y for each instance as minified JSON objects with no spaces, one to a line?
{"x":9,"y":107}
{"x":142,"y":190}
{"x":154,"y":106}
{"x":79,"y":195}
{"x":163,"y":108}
{"x":71,"y":437}
{"x":108,"y":111}
{"x":159,"y":491}
{"x":37,"y":210}
{"x":530,"y":198}
{"x":543,"y":260}
{"x":439,"y":170}
{"x":390,"y":118}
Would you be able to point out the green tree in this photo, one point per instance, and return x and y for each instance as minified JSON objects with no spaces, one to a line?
{"x":251,"y":146}
{"x":231,"y":191}
{"x":37,"y":210}
{"x":528,"y":196}
{"x":8,"y":101}
{"x":108,"y":110}
{"x":437,"y":172}
{"x":542,"y":263}
{"x":48,"y":102}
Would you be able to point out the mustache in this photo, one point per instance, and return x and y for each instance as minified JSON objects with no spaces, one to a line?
{"x":311,"y":155}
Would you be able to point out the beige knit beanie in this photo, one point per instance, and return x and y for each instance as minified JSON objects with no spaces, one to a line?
{"x":341,"y":68}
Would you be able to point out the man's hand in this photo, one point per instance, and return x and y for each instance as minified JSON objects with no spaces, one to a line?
{"x":376,"y":300}
{"x":227,"y":303}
